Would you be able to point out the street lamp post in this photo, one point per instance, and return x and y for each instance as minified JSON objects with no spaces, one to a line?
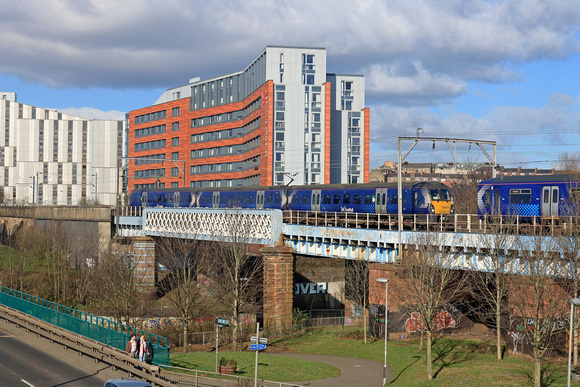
{"x":386,"y":282}
{"x":573,"y":303}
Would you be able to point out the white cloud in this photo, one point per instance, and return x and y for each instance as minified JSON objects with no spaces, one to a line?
{"x":543,"y":132}
{"x":133,"y":43}
{"x":90,"y":113}
{"x":411,"y":82}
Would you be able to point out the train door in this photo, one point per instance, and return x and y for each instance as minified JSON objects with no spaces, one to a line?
{"x":176,"y":199}
{"x":381,"y":201}
{"x":260,"y":200}
{"x":215,"y":200}
{"x":315,"y":200}
{"x":496,"y":201}
{"x":550,"y":195}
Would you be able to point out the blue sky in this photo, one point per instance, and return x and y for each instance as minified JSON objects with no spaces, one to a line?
{"x":505,"y":71}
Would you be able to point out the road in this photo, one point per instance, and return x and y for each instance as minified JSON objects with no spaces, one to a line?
{"x":30,"y":361}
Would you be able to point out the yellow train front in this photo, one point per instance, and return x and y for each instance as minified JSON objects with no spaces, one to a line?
{"x":426,"y":201}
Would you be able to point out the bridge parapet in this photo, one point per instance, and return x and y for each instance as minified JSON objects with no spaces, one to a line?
{"x":263,"y":227}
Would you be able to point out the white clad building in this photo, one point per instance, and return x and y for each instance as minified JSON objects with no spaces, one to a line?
{"x":53,"y":158}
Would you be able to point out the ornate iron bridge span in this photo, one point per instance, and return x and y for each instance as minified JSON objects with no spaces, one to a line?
{"x":467,"y":242}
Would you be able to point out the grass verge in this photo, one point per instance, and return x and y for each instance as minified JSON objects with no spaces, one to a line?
{"x":270,"y":367}
{"x":456,"y":362}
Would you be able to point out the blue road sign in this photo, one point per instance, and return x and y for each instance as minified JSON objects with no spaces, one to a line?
{"x":222,"y":321}
{"x":257,"y":347}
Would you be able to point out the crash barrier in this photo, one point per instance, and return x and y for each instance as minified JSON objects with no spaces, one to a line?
{"x":85,"y":324}
{"x":84,"y":346}
{"x":155,"y":375}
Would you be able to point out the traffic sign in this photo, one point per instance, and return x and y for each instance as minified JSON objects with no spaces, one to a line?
{"x":257,"y":347}
{"x":222,"y":322}
{"x":263,"y":340}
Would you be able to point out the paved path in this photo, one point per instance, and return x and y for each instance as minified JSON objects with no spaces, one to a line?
{"x":353,"y":372}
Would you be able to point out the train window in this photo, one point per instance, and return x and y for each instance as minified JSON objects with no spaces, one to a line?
{"x":244,"y":200}
{"x":520,"y":196}
{"x":445,"y":194}
{"x":277,"y":199}
{"x":318,"y":199}
{"x":368,"y":199}
{"x":336,"y":199}
{"x":384,"y":199}
{"x":555,"y":196}
{"x":415,"y":198}
{"x":435,"y":194}
{"x":346,"y":199}
{"x":356,"y":199}
{"x":295,"y":199}
{"x":252,"y":199}
{"x":164,"y":199}
{"x":546,"y":196}
{"x":326,"y":199}
{"x":305,"y":199}
{"x":394,"y":199}
{"x":487,"y":198}
{"x":269,"y":198}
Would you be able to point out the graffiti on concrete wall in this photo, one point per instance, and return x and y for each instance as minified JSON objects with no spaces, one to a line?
{"x":311,"y":288}
{"x":443,"y":320}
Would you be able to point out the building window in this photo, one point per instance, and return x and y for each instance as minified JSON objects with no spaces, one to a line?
{"x":149,"y":131}
{"x":175,"y":112}
{"x":174,"y":171}
{"x":175,"y":127}
{"x":150,"y":117}
{"x":175,"y":156}
{"x":149,"y":145}
{"x":175,"y":141}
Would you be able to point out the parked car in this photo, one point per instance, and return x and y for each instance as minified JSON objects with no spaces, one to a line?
{"x":126,"y":382}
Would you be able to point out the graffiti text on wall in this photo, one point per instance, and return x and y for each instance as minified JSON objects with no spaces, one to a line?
{"x":443,"y":320}
{"x":311,"y":288}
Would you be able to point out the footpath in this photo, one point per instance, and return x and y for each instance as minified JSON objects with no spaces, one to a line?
{"x":353,"y":371}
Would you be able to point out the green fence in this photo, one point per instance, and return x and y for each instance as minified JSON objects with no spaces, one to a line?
{"x":85,"y":324}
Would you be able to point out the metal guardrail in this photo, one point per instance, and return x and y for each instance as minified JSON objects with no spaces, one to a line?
{"x":93,"y":327}
{"x":470,"y":223}
{"x":153,"y":374}
{"x":98,"y":351}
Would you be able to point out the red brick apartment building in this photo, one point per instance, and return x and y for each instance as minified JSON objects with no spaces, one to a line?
{"x":281,"y":120}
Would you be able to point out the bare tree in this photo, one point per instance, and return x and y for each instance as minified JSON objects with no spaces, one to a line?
{"x":465,"y":191}
{"x":357,"y":287}
{"x":490,"y":283}
{"x":432,"y":282}
{"x":569,"y":242}
{"x":536,"y":297}
{"x":238,"y":272}
{"x":568,"y":163}
{"x":181,"y":286}
{"x":117,"y":287}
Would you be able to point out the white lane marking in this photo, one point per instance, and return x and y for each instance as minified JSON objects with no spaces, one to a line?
{"x":24,"y":381}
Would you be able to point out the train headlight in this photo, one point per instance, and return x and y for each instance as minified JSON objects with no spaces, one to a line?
{"x":431,"y":208}
{"x":452,"y":209}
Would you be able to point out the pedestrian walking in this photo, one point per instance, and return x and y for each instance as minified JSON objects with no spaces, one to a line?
{"x":132,"y":346}
{"x":143,"y":348}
